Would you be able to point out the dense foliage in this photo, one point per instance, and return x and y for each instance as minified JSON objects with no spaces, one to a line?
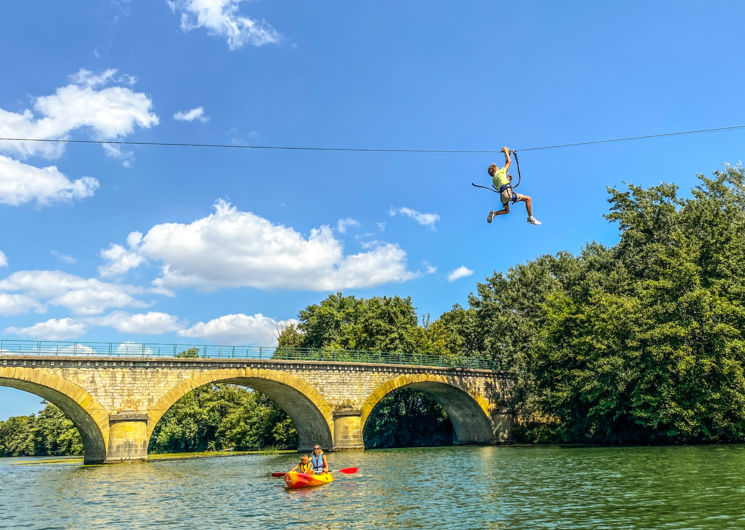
{"x":383,"y":324}
{"x":219,"y":417}
{"x":640,"y":342}
{"x":406,"y":417}
{"x":48,"y":434}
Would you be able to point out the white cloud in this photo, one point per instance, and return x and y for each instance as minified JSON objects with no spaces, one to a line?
{"x":221,"y":18}
{"x":460,"y":272}
{"x":239,"y":329}
{"x":115,"y":151}
{"x":151,"y":323}
{"x":3,"y":259}
{"x":109,"y":112}
{"x":89,"y":79}
{"x":64,"y":258}
{"x":21,"y":183}
{"x":132,"y":348}
{"x":18,"y":304}
{"x":424,"y":219}
{"x":52,"y":329}
{"x":191,"y":115}
{"x":82,"y":296}
{"x":345,"y":223}
{"x":120,"y":259}
{"x":231,"y":248}
{"x":77,"y":349}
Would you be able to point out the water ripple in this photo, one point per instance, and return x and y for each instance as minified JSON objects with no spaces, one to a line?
{"x":456,"y":487}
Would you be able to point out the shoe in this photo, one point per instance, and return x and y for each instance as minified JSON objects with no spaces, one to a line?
{"x":490,"y":216}
{"x":533,"y":221}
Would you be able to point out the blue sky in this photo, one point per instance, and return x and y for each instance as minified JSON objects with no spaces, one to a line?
{"x":157,"y":244}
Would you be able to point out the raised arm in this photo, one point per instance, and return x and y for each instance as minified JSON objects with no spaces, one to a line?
{"x":507,"y":160}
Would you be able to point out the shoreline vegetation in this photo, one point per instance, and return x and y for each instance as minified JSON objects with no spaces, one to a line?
{"x":158,"y":457}
{"x":165,"y":457}
{"x":638,"y":343}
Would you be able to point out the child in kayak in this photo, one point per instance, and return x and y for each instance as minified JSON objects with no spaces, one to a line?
{"x":318,"y":461}
{"x":304,"y":466}
{"x":501,"y":180}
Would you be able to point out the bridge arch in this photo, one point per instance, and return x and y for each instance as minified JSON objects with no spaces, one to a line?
{"x":308,"y":410}
{"x":85,"y":412}
{"x":468,"y":411}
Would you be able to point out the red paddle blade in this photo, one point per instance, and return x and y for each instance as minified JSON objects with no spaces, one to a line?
{"x":278,"y":474}
{"x":349,"y":470}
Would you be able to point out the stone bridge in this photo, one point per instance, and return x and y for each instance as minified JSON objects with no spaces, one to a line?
{"x":116,"y":402}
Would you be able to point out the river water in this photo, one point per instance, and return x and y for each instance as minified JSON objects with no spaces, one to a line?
{"x":450,"y":487}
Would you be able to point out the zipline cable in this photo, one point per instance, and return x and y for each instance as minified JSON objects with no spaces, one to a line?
{"x":629,"y":138}
{"x":368,"y":149}
{"x":241,"y":146}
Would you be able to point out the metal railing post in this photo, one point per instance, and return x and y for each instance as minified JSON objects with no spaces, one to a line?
{"x":129,"y":349}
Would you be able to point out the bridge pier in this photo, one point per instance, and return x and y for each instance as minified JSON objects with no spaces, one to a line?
{"x":128,"y":437}
{"x":116,"y":402}
{"x":502,"y":421}
{"x":348,"y":430}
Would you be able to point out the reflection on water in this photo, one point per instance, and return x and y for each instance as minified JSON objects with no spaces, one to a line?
{"x":456,"y":487}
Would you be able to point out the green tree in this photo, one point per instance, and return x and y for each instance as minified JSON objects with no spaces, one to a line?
{"x":375,"y":324}
{"x":189,"y":353}
{"x":49,"y":433}
{"x":219,"y":417}
{"x":54,"y":434}
{"x":406,"y":418}
{"x":642,"y":341}
{"x":16,"y":437}
{"x":385,"y":324}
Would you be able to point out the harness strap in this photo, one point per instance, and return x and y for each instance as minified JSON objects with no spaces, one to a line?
{"x":510,"y":185}
{"x":495,"y":190}
{"x":517,"y":163}
{"x":513,"y":195}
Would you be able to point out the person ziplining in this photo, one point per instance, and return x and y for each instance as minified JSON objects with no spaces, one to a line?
{"x":502,"y":181}
{"x":502,"y":184}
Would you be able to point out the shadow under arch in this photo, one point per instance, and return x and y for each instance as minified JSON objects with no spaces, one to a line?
{"x":308,"y":410}
{"x":88,"y":416}
{"x":469,"y":414}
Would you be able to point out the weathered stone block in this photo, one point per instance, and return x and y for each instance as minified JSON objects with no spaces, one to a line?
{"x":117,"y":403}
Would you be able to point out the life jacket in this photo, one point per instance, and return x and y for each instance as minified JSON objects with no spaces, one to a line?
{"x":305,"y":468}
{"x":317,"y":462}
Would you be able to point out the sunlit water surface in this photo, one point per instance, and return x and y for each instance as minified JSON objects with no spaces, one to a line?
{"x":453,"y":487}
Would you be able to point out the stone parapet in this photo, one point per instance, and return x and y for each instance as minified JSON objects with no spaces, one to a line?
{"x":116,"y":402}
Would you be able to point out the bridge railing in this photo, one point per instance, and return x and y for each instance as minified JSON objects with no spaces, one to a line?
{"x":148,"y":350}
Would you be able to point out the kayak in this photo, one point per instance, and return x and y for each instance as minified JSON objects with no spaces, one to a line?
{"x":295,"y":480}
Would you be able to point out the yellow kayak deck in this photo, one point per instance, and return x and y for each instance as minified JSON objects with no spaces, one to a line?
{"x":295,"y":480}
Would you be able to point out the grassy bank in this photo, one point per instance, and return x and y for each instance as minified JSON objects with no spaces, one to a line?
{"x":78,"y":460}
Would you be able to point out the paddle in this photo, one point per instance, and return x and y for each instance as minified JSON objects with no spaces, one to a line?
{"x":346,"y":470}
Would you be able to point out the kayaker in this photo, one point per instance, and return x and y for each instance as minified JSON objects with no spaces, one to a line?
{"x":304,"y":466}
{"x":318,"y":461}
